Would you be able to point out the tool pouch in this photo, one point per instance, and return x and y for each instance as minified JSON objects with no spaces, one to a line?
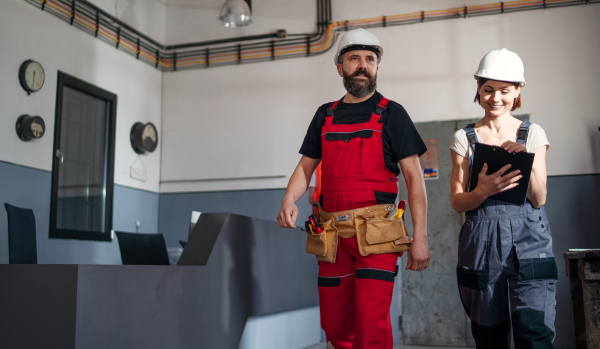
{"x":381,"y":230}
{"x":325,"y":244}
{"x":377,"y":235}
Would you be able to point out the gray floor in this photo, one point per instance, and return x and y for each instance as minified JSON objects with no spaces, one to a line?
{"x":324,"y":346}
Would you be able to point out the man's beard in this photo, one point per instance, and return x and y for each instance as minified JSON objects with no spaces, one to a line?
{"x":359,"y":88}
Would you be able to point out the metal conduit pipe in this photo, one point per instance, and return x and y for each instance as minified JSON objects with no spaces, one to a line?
{"x":105,"y":27}
{"x":91,"y":19}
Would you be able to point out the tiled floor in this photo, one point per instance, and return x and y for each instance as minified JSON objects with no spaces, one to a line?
{"x":398,"y":346}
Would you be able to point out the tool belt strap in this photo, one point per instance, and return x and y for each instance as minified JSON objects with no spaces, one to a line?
{"x":348,"y":217}
{"x":376,"y":210}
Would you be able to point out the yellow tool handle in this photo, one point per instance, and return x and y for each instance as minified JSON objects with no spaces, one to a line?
{"x":400,"y":210}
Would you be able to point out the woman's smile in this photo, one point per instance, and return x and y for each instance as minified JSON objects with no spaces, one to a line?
{"x":497,"y":97}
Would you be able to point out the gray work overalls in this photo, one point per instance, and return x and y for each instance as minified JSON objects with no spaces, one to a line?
{"x":505,"y":262}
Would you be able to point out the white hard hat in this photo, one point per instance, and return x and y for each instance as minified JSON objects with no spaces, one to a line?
{"x":501,"y":65}
{"x":359,"y":37}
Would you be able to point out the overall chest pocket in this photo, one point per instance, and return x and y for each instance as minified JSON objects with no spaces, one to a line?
{"x":353,"y":151}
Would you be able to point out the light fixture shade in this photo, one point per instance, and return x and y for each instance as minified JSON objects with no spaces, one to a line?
{"x":235,"y":13}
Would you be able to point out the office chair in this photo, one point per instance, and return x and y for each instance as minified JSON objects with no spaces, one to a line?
{"x":143,"y":249}
{"x":22,"y":247}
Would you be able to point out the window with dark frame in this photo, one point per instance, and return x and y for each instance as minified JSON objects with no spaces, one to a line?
{"x":83,"y":165}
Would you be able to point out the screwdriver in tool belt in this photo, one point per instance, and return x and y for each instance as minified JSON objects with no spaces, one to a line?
{"x":316,"y":228}
{"x":396,"y":213}
{"x":401,"y":208}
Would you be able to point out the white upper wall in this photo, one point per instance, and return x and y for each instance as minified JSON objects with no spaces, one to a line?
{"x":147,"y":16}
{"x":355,"y":9}
{"x":193,"y":21}
{"x":28,"y":33}
{"x":249,"y":120}
{"x":198,"y":20}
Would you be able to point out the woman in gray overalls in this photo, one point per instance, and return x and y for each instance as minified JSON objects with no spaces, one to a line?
{"x":506,"y":269}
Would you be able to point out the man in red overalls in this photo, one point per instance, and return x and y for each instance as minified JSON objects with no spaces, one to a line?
{"x":360,"y":139}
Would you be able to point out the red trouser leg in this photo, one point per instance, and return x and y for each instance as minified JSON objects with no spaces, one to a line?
{"x":336,"y":298}
{"x":355,"y":296}
{"x":374,"y":290}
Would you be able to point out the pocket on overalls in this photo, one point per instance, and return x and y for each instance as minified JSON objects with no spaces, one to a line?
{"x":354,"y":143}
{"x":381,"y":230}
{"x":534,"y":258}
{"x":472,"y":270}
{"x":323,"y":245}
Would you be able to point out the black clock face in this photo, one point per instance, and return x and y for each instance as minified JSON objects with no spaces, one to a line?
{"x":31,"y":76}
{"x":150,"y":137}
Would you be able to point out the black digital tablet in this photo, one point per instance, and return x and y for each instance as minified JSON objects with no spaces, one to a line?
{"x":496,"y":158}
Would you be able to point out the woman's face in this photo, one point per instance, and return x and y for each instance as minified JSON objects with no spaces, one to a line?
{"x":497,"y":97}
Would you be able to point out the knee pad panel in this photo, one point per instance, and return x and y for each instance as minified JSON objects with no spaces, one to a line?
{"x":531,"y":330}
{"x":492,"y":337}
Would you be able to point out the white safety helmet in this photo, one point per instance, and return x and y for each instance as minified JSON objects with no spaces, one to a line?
{"x":501,"y":65}
{"x":358,"y":37}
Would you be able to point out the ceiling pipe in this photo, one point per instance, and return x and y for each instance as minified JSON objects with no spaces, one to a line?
{"x":98,"y":23}
{"x":120,"y":23}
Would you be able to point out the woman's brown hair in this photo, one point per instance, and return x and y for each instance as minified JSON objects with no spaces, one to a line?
{"x":516,"y":103}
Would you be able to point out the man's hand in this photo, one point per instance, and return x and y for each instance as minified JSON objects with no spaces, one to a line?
{"x":286,"y":218}
{"x":418,"y":255}
{"x":287,"y":214}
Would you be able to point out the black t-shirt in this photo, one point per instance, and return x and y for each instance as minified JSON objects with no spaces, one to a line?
{"x":400,"y":137}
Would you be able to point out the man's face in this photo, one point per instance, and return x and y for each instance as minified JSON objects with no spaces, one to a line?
{"x":359,"y":72}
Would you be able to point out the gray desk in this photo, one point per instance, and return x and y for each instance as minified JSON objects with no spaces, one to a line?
{"x":254,"y":268}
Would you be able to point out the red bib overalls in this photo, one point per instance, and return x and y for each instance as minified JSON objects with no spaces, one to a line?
{"x":355,"y":292}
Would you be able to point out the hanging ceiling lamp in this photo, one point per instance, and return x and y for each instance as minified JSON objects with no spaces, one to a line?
{"x":235,"y":13}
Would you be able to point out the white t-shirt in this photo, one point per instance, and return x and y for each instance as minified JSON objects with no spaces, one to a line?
{"x":535,"y":140}
{"x":313,"y":180}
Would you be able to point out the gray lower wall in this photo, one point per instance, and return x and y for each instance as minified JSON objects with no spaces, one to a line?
{"x":572,"y":209}
{"x":131,"y":205}
{"x":30,"y":188}
{"x":175,"y":209}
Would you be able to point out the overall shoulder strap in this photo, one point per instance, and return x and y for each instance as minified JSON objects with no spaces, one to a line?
{"x":379,"y":109}
{"x":523,"y":132}
{"x":471,"y":136}
{"x":330,"y":112}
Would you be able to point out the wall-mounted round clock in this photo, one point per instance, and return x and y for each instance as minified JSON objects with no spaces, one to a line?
{"x":31,"y":76}
{"x":144,"y":138}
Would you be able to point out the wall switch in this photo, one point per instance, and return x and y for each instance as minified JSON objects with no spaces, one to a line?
{"x":138,"y":174}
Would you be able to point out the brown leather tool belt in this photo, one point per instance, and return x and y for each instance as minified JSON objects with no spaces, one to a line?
{"x":376,"y":233}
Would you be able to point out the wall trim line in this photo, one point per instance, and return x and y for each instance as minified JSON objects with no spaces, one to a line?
{"x":218,"y":191}
{"x":220,"y":179}
{"x":25,"y":166}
